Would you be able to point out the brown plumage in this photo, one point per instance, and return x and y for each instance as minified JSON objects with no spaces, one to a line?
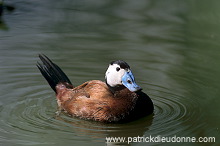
{"x":96,"y":100}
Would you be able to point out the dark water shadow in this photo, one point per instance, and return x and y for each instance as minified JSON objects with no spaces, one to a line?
{"x":5,"y":8}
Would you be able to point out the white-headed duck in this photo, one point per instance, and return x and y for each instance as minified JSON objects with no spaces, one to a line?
{"x":118,"y":99}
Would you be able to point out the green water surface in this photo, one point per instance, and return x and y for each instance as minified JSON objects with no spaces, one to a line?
{"x":173,"y":48}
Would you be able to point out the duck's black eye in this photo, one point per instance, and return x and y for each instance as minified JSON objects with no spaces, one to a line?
{"x":118,"y":68}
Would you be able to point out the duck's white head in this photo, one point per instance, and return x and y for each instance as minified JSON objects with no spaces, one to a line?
{"x":119,"y":73}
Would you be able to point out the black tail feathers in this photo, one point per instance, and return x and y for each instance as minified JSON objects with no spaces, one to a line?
{"x":52,"y":73}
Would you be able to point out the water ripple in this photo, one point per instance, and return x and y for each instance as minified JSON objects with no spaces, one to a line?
{"x":32,"y":115}
{"x":173,"y":113}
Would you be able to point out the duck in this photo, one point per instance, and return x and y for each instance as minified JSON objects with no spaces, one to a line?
{"x":117,"y":99}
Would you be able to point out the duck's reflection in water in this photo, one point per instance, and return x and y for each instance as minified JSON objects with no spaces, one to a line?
{"x":103,"y":132}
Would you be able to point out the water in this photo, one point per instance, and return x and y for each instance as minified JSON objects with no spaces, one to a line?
{"x":172,"y":47}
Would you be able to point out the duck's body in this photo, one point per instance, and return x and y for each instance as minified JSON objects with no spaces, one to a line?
{"x":96,"y":100}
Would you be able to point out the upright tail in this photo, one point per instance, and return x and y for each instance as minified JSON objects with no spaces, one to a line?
{"x":52,"y":73}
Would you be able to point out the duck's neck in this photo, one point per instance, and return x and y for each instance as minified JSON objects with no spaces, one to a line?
{"x":116,"y":89}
